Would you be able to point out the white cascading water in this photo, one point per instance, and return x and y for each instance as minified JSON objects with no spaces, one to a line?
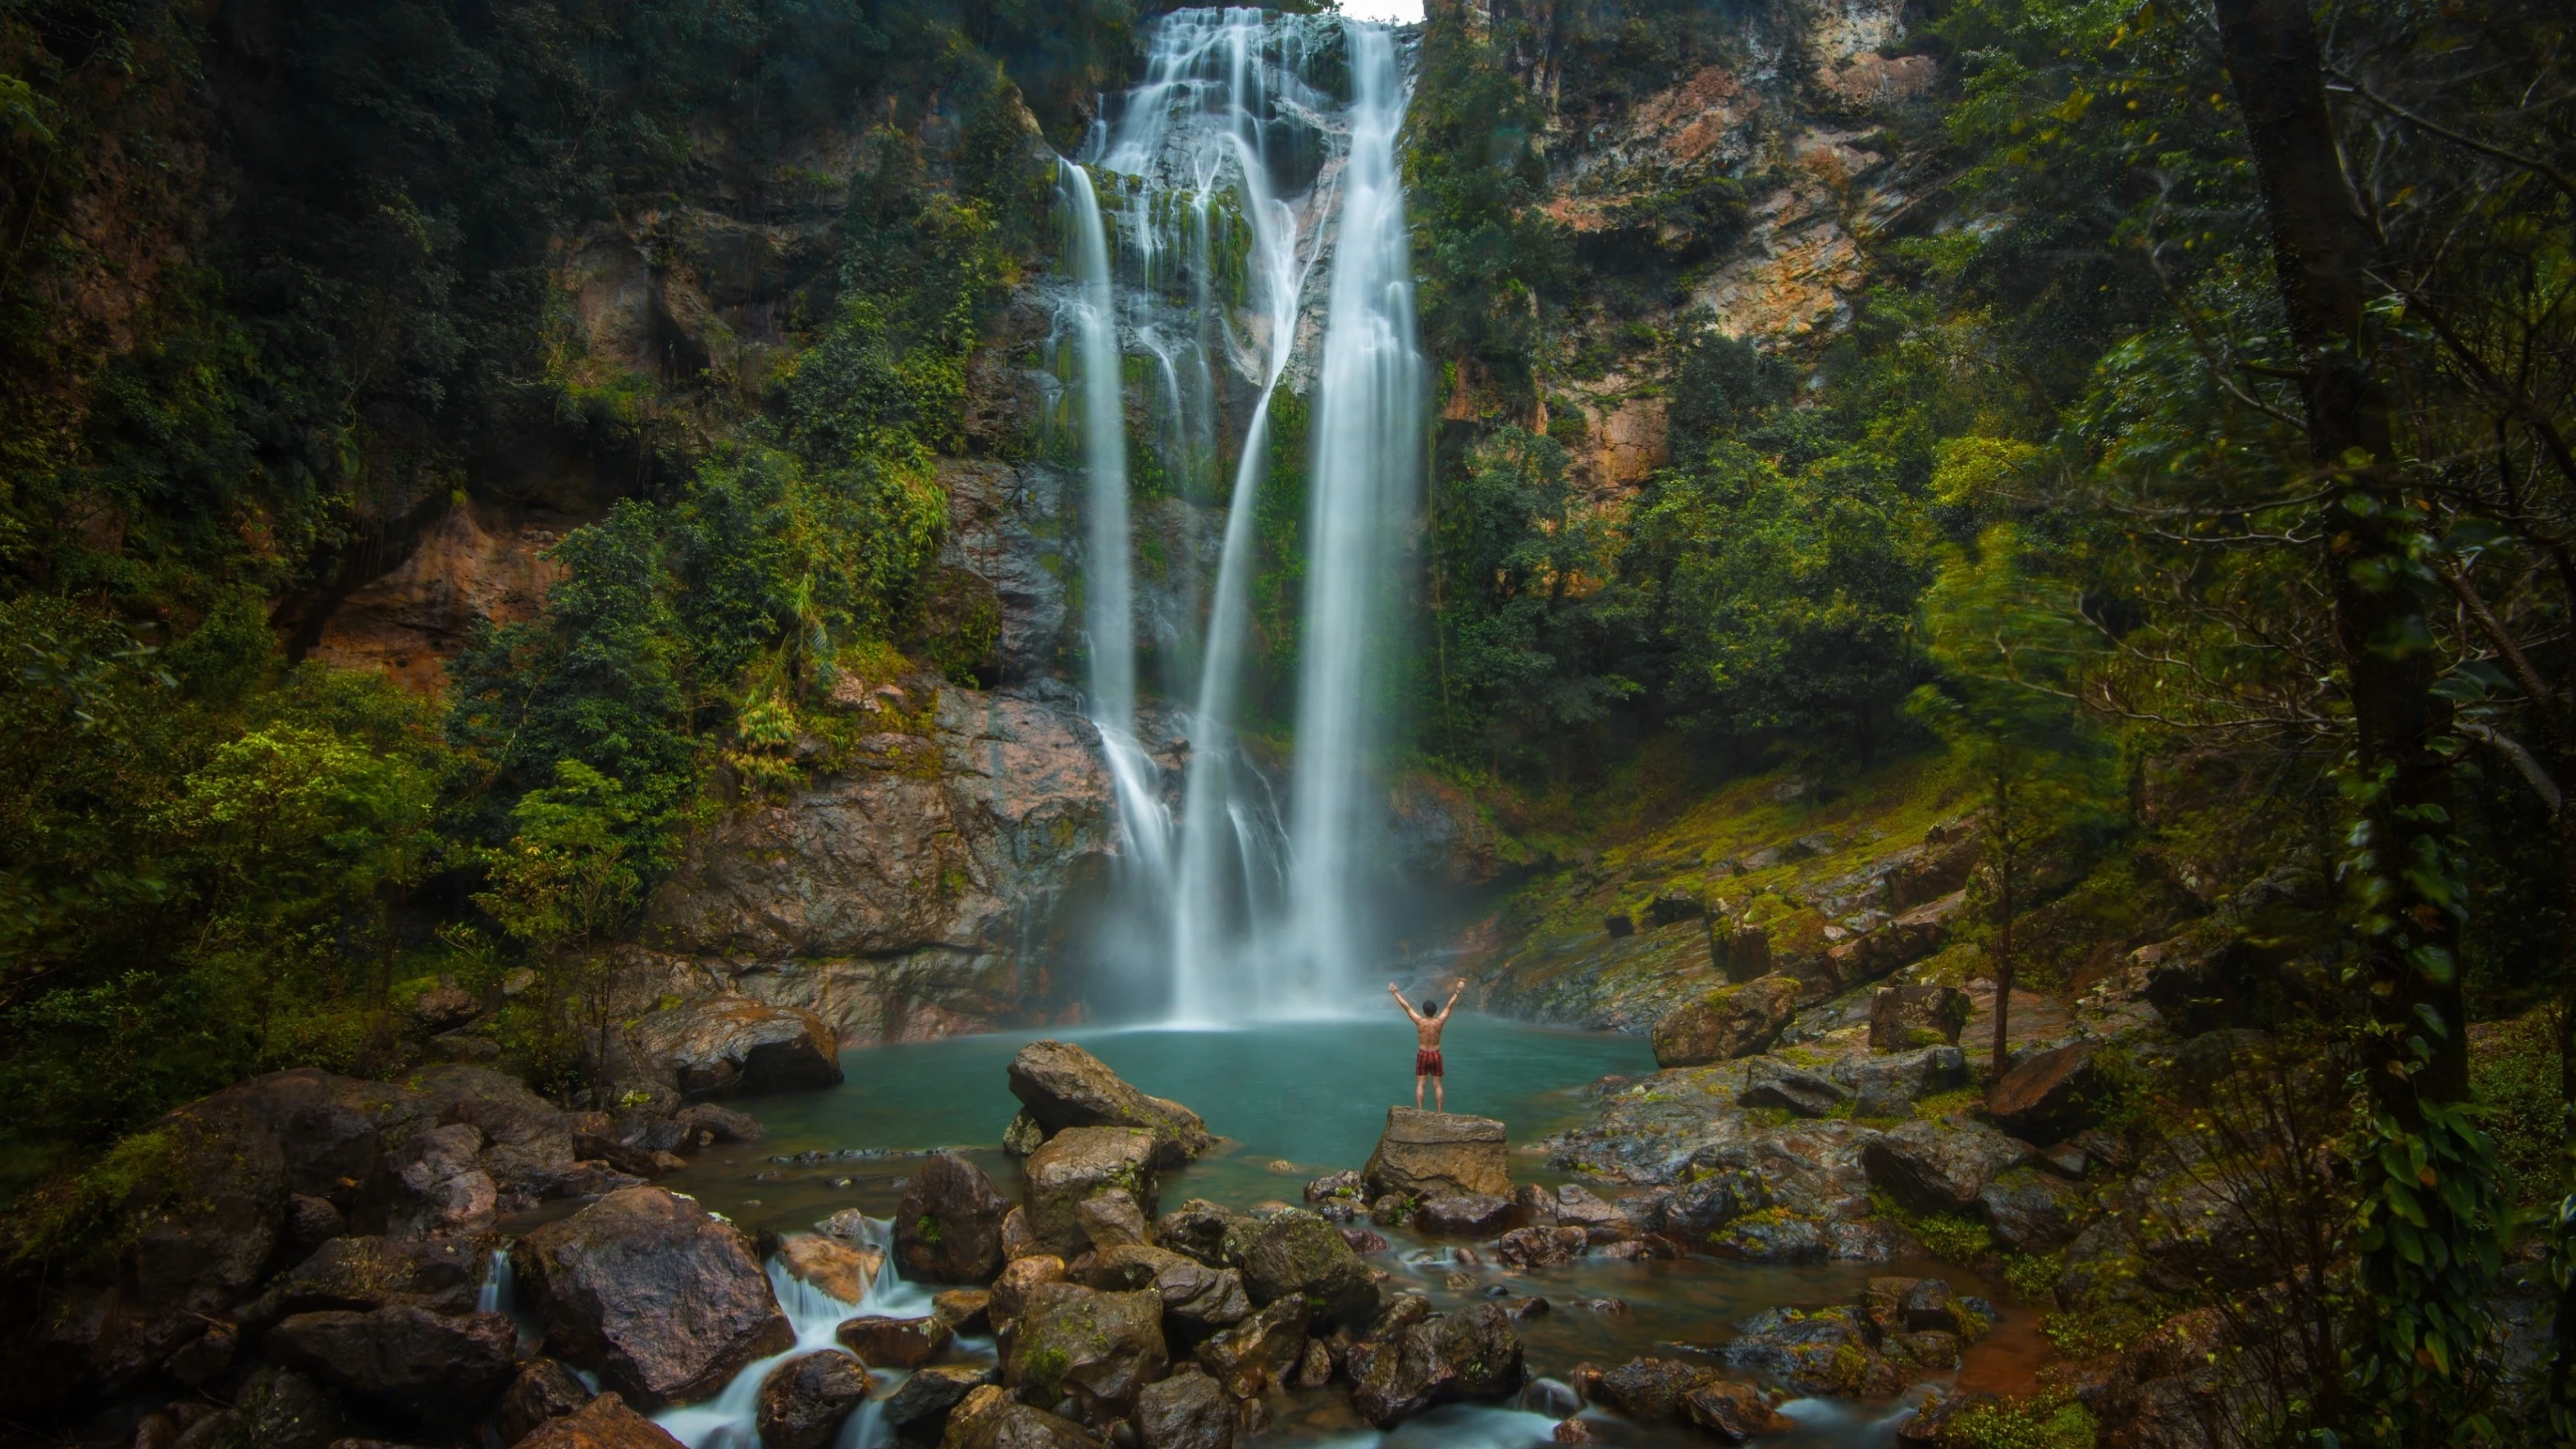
{"x":1232,"y":167}
{"x":731,"y":1420}
{"x":1363,"y":496}
{"x":1246,"y":917}
{"x":1108,"y":609}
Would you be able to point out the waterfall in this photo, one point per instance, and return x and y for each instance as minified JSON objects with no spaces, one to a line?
{"x":1364,"y":493}
{"x":1233,"y":174}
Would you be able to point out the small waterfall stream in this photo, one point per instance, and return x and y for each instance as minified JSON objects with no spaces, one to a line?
{"x":731,"y":1420}
{"x":1236,"y":170}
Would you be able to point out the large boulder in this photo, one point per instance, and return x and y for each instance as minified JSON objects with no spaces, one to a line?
{"x":2028,"y":1212}
{"x":1299,"y":1253}
{"x":1907,"y":1018}
{"x":1471,"y":1354}
{"x":603,"y":1423}
{"x":1434,"y":1154}
{"x":804,"y":1400}
{"x":1185,"y":1411}
{"x":1651,"y":1390}
{"x":733,"y":1044}
{"x":409,"y":1361}
{"x":1730,"y":1022}
{"x":1079,"y":1163}
{"x":1061,"y":1085}
{"x":2049,"y":1097}
{"x":1934,"y":1167}
{"x":1820,"y":1351}
{"x":1095,"y":1351}
{"x":210,"y":1188}
{"x":1733,"y":1413}
{"x":948,"y":1227}
{"x":1887,"y":1086}
{"x":646,"y":1289}
{"x":362,"y":1273}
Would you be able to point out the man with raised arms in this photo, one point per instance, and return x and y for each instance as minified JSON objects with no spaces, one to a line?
{"x":1426,"y":1030}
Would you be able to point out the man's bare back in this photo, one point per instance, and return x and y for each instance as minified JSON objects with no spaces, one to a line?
{"x":1427,"y":1025}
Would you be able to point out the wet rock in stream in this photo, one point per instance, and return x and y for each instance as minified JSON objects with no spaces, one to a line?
{"x":948,"y":1226}
{"x":603,"y":1283}
{"x":804,"y":1400}
{"x":1062,"y":1086}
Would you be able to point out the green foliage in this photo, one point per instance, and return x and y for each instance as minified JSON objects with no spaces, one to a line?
{"x":2043,"y":1421}
{"x":1951,"y":1237}
{"x":2514,"y":1068}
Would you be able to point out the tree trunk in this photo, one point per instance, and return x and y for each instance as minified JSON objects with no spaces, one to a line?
{"x":2425,"y":1286}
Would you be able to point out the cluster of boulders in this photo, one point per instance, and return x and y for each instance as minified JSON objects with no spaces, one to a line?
{"x":1117,"y":1320}
{"x":313,"y":1250}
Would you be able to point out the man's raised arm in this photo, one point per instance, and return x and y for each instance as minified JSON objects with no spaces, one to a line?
{"x":1400,"y":1001}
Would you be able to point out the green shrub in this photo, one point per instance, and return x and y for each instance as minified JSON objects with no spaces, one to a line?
{"x":2513,"y":1067}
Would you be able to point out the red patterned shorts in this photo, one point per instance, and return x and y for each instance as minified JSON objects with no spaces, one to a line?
{"x":1426,"y":1063}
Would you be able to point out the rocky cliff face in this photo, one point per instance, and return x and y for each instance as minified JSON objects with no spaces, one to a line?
{"x":1737,"y":197}
{"x":899,"y":898}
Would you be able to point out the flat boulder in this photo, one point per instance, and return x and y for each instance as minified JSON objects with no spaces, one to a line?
{"x":1733,"y":1413}
{"x":1578,"y":1206}
{"x":1530,"y":1249}
{"x":603,"y":1423}
{"x":1938,"y":1168}
{"x":1651,"y":1390}
{"x":835,"y":1267}
{"x":1301,"y":1254}
{"x":732,"y":1044}
{"x":1908,"y":1018}
{"x":1080,"y":1163}
{"x":2049,"y":1097}
{"x":919,"y":1408}
{"x":1462,"y":1214}
{"x":804,"y":1400}
{"x":948,"y":1227}
{"x":1887,"y":1086}
{"x":646,"y":1289}
{"x":1819,"y":1351}
{"x":1095,"y":1351}
{"x":1469,"y":1355}
{"x":894,"y":1343}
{"x":1730,"y":1022}
{"x":406,"y":1360}
{"x":1429,"y":1154}
{"x":1060,"y":1086}
{"x":1770,"y":1082}
{"x":1185,"y":1411}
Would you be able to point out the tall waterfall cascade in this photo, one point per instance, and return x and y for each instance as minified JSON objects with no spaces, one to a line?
{"x":1254,"y":165}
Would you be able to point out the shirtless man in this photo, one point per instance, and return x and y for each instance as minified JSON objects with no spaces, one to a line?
{"x":1426,"y":1029}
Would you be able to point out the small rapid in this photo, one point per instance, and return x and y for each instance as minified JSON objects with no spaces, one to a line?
{"x":731,"y":1420}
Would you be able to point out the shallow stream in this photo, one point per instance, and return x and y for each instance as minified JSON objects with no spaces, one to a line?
{"x":1296,"y":1101}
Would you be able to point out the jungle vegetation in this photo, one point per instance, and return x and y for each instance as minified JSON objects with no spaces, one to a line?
{"x":2214,"y":397}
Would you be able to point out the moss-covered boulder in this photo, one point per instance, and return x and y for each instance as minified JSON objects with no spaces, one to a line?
{"x":948,"y":1226}
{"x":1298,"y":1253}
{"x":1437,"y":1154}
{"x":1729,"y":1022}
{"x":1061,"y":1086}
{"x":1079,"y":1351}
{"x":1468,"y":1355}
{"x":1081,"y":1163}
